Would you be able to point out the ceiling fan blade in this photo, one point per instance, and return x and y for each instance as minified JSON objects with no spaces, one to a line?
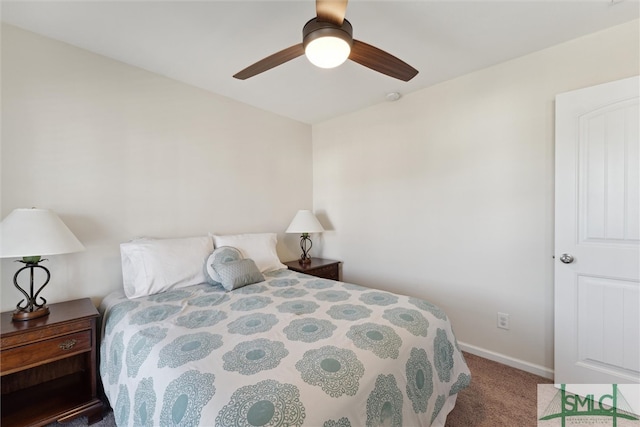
{"x":381,"y":61}
{"x":271,"y":61}
{"x":331,"y":10}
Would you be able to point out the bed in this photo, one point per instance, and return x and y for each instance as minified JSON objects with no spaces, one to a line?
{"x":289,"y":350}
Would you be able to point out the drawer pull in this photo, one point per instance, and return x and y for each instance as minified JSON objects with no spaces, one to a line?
{"x":67,"y":345}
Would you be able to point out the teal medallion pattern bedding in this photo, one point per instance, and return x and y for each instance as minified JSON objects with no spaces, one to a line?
{"x":292,"y":350}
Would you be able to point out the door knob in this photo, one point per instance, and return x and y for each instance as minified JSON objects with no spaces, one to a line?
{"x":566,"y":258}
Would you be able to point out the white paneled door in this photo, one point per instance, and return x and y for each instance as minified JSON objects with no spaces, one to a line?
{"x":597,"y":235}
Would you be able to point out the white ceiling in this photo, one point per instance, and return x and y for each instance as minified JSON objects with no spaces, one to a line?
{"x":203,"y":43}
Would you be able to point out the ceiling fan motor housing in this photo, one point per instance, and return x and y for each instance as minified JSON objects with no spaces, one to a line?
{"x":315,"y":29}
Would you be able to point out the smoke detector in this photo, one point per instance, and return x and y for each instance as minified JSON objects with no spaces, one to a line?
{"x":392,"y":96}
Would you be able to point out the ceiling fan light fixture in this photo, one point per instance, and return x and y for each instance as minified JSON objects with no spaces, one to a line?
{"x":326,"y":44}
{"x":327,"y":52}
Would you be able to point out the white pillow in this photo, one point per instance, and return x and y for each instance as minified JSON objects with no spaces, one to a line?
{"x":260,"y":247}
{"x":151,"y":266}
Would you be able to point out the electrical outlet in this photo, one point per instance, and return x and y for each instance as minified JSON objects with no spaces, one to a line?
{"x":503,"y":320}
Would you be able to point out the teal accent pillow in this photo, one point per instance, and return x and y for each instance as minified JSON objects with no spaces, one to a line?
{"x":220,"y":255}
{"x":239,"y":273}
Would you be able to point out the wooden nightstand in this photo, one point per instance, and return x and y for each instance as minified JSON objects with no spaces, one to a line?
{"x":325,"y":268}
{"x":48,"y":366}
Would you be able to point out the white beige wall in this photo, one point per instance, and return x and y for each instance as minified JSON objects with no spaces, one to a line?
{"x":447,"y":194}
{"x":119,"y":152}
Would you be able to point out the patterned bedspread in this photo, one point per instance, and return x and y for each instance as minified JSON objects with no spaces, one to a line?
{"x":293,"y":350}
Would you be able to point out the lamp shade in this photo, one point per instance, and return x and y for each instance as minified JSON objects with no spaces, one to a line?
{"x":35,"y":232}
{"x":305,"y":222}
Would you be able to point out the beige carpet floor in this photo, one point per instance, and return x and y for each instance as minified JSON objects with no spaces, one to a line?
{"x":499,"y":396}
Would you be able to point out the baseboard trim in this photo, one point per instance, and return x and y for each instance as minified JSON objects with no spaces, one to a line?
{"x":507,"y":360}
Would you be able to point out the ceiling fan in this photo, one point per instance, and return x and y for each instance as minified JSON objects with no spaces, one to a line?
{"x":328,"y":41}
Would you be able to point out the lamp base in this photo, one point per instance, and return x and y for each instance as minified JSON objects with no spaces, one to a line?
{"x":31,"y":309}
{"x":22,"y":315}
{"x":305,"y":241}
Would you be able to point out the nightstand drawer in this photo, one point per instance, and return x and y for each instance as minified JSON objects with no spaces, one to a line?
{"x":329,"y":272}
{"x":318,"y":267}
{"x":27,"y":336}
{"x":19,"y":358}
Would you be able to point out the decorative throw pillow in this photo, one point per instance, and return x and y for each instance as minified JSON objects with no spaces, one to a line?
{"x":260,"y":247}
{"x":236,"y":274}
{"x":218,"y":256}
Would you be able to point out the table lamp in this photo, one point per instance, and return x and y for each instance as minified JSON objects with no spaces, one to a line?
{"x":30,"y":234}
{"x":305,"y":223}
